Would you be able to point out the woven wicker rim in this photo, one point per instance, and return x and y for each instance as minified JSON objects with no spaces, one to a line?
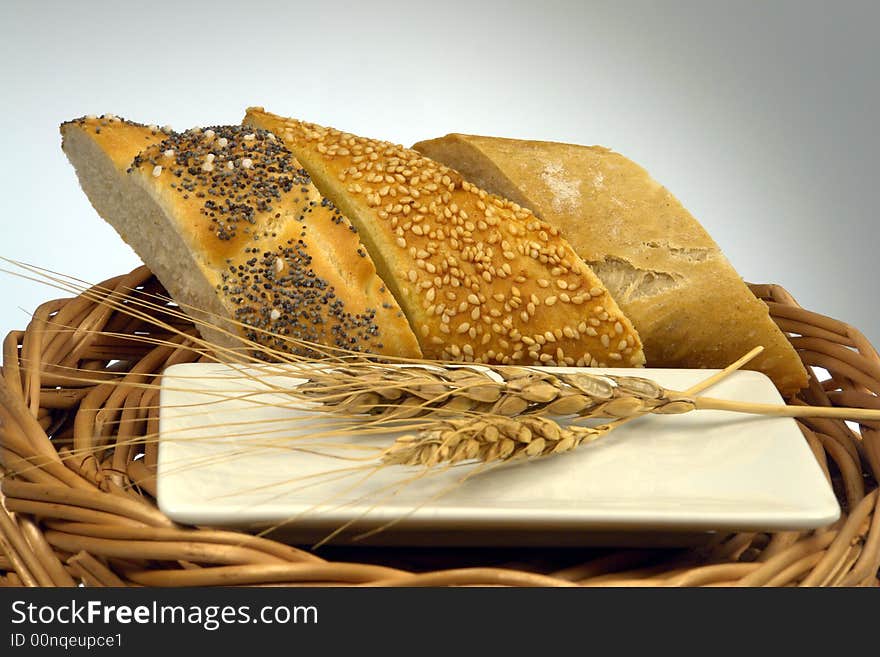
{"x":68,"y":519}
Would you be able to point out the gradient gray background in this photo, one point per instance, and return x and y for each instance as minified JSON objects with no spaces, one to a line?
{"x":760,"y":117}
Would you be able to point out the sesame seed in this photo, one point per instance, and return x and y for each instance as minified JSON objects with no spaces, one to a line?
{"x":549,"y":301}
{"x":169,"y":153}
{"x":275,"y":314}
{"x":249,"y":137}
{"x":247,"y":163}
{"x":606,"y":342}
{"x":157,"y":171}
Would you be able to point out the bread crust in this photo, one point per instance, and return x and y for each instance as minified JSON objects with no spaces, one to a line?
{"x":689,"y":305}
{"x":258,"y":236}
{"x":480,"y":278}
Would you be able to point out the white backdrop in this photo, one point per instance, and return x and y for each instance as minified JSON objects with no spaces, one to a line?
{"x":760,"y":117}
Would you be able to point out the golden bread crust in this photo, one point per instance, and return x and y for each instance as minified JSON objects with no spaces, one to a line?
{"x":118,"y":138}
{"x":480,"y":278}
{"x":689,"y":305}
{"x":282,"y":260}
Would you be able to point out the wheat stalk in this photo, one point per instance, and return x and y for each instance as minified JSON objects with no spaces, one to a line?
{"x":500,"y":439}
{"x":396,"y":392}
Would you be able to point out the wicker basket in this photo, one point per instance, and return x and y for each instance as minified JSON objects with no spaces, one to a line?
{"x":70,"y":518}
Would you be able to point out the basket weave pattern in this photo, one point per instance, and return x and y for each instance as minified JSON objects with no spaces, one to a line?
{"x":78,"y":487}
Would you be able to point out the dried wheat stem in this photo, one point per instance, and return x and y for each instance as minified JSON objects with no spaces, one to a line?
{"x":782,"y":410}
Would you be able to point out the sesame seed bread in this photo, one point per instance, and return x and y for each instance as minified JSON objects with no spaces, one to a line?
{"x":480,"y":278}
{"x":689,"y":305}
{"x":231,"y":224}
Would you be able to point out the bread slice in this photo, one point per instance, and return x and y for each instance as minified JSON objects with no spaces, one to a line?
{"x":231,"y":224}
{"x":480,"y":278}
{"x":688,"y":303}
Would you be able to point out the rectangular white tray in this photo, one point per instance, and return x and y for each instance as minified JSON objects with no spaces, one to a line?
{"x":224,"y":460}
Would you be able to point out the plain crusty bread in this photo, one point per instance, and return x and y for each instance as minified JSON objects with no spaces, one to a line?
{"x":480,"y":278}
{"x":231,"y":224}
{"x":689,"y":305}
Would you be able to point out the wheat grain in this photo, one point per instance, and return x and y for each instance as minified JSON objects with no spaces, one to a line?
{"x":488,"y":439}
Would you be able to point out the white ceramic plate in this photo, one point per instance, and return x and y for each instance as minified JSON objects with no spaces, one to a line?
{"x":225,"y":459}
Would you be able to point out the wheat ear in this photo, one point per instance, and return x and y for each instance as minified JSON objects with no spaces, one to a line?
{"x":493,"y":438}
{"x":395,"y":392}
